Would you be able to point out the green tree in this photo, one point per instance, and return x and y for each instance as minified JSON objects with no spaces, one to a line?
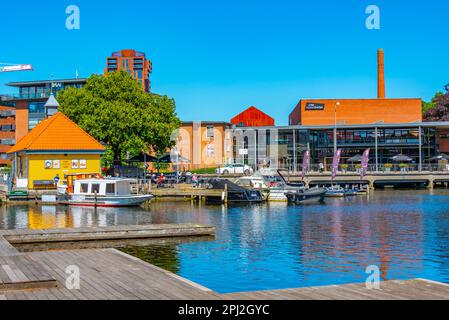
{"x":426,"y":106}
{"x":115,"y":110}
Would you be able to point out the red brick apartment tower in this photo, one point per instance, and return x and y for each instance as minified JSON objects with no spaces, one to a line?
{"x":134,"y":63}
{"x":7,"y":132}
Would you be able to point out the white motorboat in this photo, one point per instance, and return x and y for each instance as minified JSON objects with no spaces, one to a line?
{"x":105,"y":193}
{"x":271,"y":183}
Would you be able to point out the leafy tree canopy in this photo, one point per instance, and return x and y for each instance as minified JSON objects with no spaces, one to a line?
{"x":115,"y":110}
{"x":438,"y":108}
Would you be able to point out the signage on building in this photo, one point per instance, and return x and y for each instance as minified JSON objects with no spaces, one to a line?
{"x":243,"y":152}
{"x":314,"y":106}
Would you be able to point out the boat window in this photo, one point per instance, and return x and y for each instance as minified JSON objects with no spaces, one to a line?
{"x":110,"y":188}
{"x":84,"y":187}
{"x":95,"y":188}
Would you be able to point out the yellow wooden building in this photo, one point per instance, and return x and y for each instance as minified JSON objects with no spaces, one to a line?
{"x":57,"y":146}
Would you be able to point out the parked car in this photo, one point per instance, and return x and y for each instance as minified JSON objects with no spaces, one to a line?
{"x":235,"y":169}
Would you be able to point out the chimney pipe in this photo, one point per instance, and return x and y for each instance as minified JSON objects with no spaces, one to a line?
{"x":380,"y":74}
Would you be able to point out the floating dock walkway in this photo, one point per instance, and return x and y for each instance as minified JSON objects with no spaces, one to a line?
{"x":26,"y":236}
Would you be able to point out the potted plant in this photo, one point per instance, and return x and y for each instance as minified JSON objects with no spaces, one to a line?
{"x":344,"y":167}
{"x":403,"y":166}
{"x":388,"y":167}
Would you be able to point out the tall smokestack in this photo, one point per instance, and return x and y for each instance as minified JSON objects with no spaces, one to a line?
{"x":380,"y":74}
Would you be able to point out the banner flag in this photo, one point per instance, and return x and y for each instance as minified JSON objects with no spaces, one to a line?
{"x":365,"y":160}
{"x":336,"y":163}
{"x":305,"y":164}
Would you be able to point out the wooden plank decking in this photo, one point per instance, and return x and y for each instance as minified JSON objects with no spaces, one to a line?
{"x":416,"y":289}
{"x":107,"y":233}
{"x":110,"y":274}
{"x":19,"y":271}
{"x":114,"y":275}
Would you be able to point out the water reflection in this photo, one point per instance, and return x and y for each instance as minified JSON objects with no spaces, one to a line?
{"x":47,"y":217}
{"x":272,"y":246}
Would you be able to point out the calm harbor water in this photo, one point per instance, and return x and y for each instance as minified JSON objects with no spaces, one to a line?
{"x":274,"y":246}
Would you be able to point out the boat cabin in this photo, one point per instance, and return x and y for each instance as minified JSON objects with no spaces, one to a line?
{"x":103,"y":187}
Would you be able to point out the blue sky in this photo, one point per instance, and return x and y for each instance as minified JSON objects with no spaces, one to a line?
{"x":218,"y":57}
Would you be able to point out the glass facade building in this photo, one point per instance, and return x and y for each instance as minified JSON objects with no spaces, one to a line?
{"x":32,"y":95}
{"x":286,"y":145}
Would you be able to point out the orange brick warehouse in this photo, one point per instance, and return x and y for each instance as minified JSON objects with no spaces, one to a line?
{"x":356,"y":111}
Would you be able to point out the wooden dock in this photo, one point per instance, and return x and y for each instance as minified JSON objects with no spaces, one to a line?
{"x":21,"y":236}
{"x":188,"y":193}
{"x":109,"y":274}
{"x":415,"y":289}
{"x":20,"y":271}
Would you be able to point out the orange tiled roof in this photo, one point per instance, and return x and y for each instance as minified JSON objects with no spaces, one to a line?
{"x":57,"y":133}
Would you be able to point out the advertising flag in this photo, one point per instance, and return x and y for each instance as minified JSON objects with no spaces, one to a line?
{"x":305,"y":163}
{"x":336,"y":163}
{"x":365,"y":160}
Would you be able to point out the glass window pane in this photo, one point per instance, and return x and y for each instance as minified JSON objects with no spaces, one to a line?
{"x":84,"y":187}
{"x":95,"y":188}
{"x":110,"y":188}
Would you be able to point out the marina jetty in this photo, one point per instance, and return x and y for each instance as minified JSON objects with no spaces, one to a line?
{"x":374,"y":179}
{"x":109,"y":274}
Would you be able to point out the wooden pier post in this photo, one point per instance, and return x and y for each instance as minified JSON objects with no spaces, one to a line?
{"x":225,"y":193}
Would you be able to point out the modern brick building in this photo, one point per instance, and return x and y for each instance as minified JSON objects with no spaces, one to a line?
{"x":387,"y":126}
{"x":311,"y":112}
{"x":133,"y":62}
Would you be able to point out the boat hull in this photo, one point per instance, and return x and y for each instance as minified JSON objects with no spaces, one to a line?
{"x":112,"y":201}
{"x":306,"y":196}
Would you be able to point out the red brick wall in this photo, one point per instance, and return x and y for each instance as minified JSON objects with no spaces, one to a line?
{"x":358,"y":111}
{"x":253,"y":117}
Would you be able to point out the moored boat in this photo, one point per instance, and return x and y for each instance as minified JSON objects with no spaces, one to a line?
{"x":302,"y":196}
{"x":235,"y":193}
{"x":335,"y":192}
{"x":104,"y":193}
{"x":339,"y":192}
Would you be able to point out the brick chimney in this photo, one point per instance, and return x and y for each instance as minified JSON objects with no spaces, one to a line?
{"x":380,"y":74}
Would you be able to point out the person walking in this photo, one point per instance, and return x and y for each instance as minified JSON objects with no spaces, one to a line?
{"x":195,"y":180}
{"x":160,"y":180}
{"x":321,"y":167}
{"x":56,"y":179}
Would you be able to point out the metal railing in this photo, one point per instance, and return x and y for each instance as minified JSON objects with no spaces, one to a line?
{"x":372,"y":168}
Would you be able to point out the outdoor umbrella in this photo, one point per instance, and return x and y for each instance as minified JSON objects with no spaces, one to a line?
{"x":167,"y":158}
{"x":401,"y":158}
{"x":356,"y":158}
{"x":142,"y":158}
{"x":439,"y":157}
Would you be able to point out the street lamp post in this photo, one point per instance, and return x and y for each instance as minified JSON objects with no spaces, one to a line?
{"x":335,"y":126}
